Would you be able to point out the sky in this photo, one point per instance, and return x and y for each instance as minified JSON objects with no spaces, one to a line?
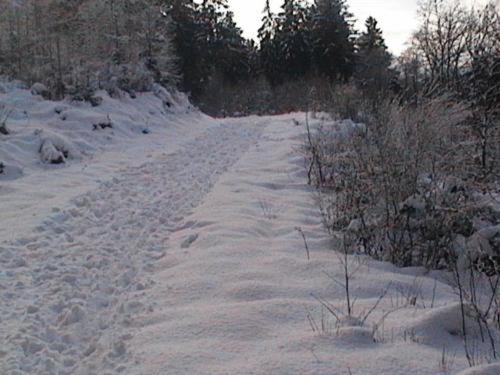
{"x":397,"y":18}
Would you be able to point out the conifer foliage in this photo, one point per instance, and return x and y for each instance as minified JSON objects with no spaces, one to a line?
{"x":333,"y":39}
{"x":373,"y":60}
{"x":208,"y":43}
{"x":268,"y":57}
{"x":293,"y":39}
{"x":306,"y":40}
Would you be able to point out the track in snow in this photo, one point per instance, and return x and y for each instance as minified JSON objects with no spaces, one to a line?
{"x":69,"y":290}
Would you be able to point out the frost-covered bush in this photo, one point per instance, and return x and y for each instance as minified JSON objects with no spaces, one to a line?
{"x":54,"y":149}
{"x":40,"y":89}
{"x":347,"y":102}
{"x":400,"y":186}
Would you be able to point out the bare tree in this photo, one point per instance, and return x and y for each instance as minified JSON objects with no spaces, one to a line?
{"x":442,"y":38}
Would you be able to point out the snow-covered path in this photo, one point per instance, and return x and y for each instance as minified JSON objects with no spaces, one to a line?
{"x":66,"y":288}
{"x":193,"y":264}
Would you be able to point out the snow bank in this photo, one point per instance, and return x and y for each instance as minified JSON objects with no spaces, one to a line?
{"x":437,"y":325}
{"x":56,"y":151}
{"x":491,"y":369}
{"x":45,"y":132}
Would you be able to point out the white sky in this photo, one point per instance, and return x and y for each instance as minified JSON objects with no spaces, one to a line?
{"x":397,"y":18}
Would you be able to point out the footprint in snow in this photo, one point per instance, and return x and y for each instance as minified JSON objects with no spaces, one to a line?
{"x":189,"y":241}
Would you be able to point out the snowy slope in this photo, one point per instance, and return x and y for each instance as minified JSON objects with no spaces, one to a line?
{"x":181,"y":255}
{"x":31,"y":188}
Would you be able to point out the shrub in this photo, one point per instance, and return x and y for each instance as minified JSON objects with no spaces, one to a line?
{"x":400,"y":184}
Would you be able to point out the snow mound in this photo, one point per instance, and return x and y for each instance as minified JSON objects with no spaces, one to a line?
{"x":55,"y":149}
{"x":439,"y":323}
{"x":172,"y":102}
{"x":9,"y":172}
{"x":491,"y":369}
{"x":356,"y":334}
{"x":45,"y":133}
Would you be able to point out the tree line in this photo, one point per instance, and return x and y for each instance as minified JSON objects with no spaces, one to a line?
{"x":78,"y":46}
{"x":83,"y":44}
{"x":304,"y":39}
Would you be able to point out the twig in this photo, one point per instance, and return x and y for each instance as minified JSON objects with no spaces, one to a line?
{"x":298,"y":229}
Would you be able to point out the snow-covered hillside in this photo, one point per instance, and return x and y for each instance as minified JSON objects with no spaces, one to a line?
{"x":43,"y":133}
{"x":182,"y":251}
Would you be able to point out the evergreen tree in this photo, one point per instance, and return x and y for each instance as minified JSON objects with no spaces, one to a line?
{"x":186,"y":28}
{"x":227,"y":53}
{"x":232,"y":51}
{"x":292,"y":39}
{"x":373,"y":60}
{"x":332,"y":39}
{"x":371,"y":38}
{"x":268,"y":53}
{"x":211,"y":14}
{"x":208,"y":43}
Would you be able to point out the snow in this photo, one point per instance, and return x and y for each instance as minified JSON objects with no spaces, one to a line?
{"x":40,"y":130}
{"x":492,"y":369}
{"x":180,"y":252}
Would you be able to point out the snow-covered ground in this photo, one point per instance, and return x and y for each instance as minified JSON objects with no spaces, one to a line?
{"x":31,"y":188}
{"x":180,"y":252}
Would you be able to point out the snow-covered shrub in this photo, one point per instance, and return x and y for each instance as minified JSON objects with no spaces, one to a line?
{"x":40,"y":89}
{"x":101,"y":125}
{"x":83,"y":90}
{"x":54,"y":149}
{"x":51,"y":154}
{"x":399,"y":185}
{"x":125,"y":78}
{"x":400,"y":188}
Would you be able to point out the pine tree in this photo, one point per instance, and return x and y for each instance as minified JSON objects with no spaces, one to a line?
{"x":233,"y":53}
{"x":373,"y":59}
{"x":268,"y":53}
{"x":293,"y":39}
{"x":332,"y":39}
{"x":371,"y":38}
{"x":186,"y":29}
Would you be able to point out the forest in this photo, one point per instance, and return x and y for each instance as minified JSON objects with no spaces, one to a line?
{"x":75,"y":47}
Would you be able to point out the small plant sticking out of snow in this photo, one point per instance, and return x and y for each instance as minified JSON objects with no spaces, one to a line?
{"x":4,"y":116}
{"x":349,"y":323}
{"x":2,"y":167}
{"x":479,"y":296}
{"x":103,"y":125}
